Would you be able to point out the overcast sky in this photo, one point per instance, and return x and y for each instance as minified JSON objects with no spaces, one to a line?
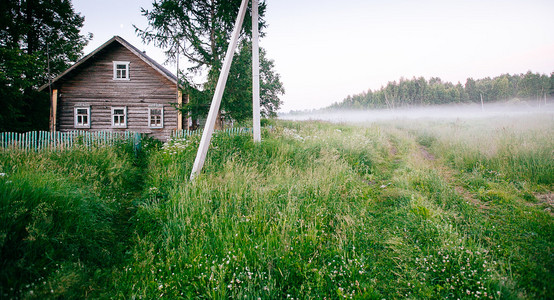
{"x":326,"y":50}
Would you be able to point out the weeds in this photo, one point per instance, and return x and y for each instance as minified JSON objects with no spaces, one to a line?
{"x":391,"y":210}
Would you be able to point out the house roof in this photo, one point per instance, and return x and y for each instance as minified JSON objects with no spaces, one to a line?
{"x":117,"y":39}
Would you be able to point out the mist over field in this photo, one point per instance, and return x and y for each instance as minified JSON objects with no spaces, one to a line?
{"x":442,"y":112}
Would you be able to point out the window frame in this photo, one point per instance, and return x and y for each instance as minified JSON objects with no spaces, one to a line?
{"x":150,"y":124}
{"x":125,"y":117}
{"x":76,"y":115}
{"x":115,"y":73}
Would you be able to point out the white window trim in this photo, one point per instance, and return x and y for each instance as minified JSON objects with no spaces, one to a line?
{"x":150,"y":115}
{"x":126,"y":63}
{"x":75,"y":117}
{"x":124,"y":125}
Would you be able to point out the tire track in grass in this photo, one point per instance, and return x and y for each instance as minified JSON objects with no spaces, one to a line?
{"x":425,"y":232}
{"x":515,"y":232}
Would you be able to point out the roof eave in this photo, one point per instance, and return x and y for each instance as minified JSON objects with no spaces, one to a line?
{"x":129,"y":47}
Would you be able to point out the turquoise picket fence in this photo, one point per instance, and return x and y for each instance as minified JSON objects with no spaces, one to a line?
{"x":230,"y":131}
{"x":45,"y":140}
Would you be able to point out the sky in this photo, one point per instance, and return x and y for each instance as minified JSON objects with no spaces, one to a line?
{"x":325,"y":50}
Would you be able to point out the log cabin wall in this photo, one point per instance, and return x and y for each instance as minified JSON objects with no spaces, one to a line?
{"x":92,"y":84}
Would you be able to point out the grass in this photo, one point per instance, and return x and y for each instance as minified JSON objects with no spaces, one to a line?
{"x":61,"y":219}
{"x":391,"y":210}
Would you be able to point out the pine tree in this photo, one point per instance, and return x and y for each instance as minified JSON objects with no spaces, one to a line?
{"x":28,"y":28}
{"x":200,"y":30}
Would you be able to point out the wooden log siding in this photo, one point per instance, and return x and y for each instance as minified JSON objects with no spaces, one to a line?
{"x":93,"y":85}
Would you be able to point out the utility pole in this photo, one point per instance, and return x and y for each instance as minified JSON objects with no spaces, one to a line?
{"x":255,"y":74}
{"x":52,"y":112}
{"x":216,"y":101}
{"x":179,"y":103}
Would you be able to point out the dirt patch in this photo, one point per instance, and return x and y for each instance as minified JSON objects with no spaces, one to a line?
{"x":425,"y":153}
{"x":469,"y":197}
{"x":447,"y":174}
{"x":546,"y":202}
{"x":368,"y":182}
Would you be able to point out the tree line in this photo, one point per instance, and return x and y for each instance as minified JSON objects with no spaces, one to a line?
{"x":421,"y":92}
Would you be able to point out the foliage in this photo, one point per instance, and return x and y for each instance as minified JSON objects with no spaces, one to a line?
{"x":60,"y":215}
{"x":419,"y":91}
{"x":28,"y":29}
{"x":200,"y":30}
{"x":238,"y":91}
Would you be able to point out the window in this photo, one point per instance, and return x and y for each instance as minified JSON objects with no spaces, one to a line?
{"x":121,"y":70}
{"x":119,"y":117}
{"x":82,"y":117}
{"x":156,"y":117}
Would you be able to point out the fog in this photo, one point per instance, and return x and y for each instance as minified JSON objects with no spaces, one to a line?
{"x":459,"y":111}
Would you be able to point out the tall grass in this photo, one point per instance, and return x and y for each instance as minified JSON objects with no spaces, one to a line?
{"x":501,"y":168}
{"x":58,"y":216}
{"x":516,"y":148}
{"x":317,"y":210}
{"x":250,"y":226}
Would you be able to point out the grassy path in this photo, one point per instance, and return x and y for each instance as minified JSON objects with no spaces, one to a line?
{"x":493,"y":214}
{"x":334,"y":211}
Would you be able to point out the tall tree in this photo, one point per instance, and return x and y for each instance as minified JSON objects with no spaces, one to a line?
{"x":200,"y":30}
{"x":28,"y":28}
{"x":237,"y":98}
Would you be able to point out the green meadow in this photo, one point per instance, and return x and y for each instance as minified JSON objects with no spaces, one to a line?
{"x":402,"y":209}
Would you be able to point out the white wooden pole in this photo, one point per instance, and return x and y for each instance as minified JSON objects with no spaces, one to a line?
{"x":216,"y":101}
{"x":179,"y":102}
{"x":255,"y":73}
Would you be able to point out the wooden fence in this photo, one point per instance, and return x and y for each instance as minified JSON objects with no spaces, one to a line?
{"x":45,"y":140}
{"x":230,"y":131}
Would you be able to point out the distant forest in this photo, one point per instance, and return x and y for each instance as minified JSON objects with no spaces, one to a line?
{"x":421,"y":92}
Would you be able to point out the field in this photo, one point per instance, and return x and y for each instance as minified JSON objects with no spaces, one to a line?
{"x":395,"y":209}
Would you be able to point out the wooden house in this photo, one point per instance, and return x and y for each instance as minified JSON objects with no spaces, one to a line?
{"x":116,"y":88}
